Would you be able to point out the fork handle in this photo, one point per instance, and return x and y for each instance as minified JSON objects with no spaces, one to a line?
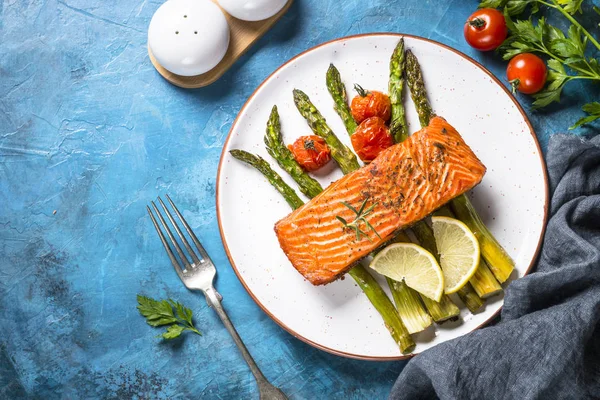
{"x":266,"y":390}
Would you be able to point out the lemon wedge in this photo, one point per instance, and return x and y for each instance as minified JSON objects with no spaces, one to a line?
{"x":459,"y":252}
{"x":412,"y":264}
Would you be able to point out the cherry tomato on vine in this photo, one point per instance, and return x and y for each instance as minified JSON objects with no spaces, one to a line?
{"x":370,"y":138}
{"x":370,"y":104}
{"x":311,"y":152}
{"x":526,"y":73}
{"x":486,"y":29}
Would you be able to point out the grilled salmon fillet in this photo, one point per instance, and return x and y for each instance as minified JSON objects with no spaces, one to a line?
{"x":406,"y":182}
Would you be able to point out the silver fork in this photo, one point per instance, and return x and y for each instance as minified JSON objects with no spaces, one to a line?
{"x":199,"y":275}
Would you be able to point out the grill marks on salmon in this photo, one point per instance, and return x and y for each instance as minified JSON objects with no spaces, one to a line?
{"x":407,"y":182}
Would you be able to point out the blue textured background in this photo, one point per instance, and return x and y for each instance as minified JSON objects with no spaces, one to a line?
{"x":89,"y":134}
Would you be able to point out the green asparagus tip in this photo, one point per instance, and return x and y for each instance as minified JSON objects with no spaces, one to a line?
{"x":299,"y":95}
{"x":332,"y":77}
{"x":243,"y":155}
{"x":274,"y":117}
{"x":272,"y":134}
{"x":399,"y":50}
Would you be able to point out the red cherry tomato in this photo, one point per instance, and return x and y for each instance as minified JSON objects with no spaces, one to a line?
{"x":370,"y":104}
{"x":370,"y":138}
{"x":526,"y":73}
{"x":486,"y":29}
{"x":311,"y":152}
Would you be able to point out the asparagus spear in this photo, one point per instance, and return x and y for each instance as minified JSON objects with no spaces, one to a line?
{"x":285,"y":158}
{"x":484,"y":282}
{"x":409,"y":307}
{"x":498,"y":260}
{"x":273,"y":177}
{"x":416,"y":84}
{"x":338,"y":93}
{"x":421,"y":230}
{"x":340,"y":153}
{"x":444,"y":309}
{"x":384,"y":306}
{"x":366,"y":282}
{"x":398,"y":127}
{"x":407,"y":301}
{"x":440,"y":311}
{"x":467,"y":294}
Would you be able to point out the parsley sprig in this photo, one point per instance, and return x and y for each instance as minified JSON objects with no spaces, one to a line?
{"x":567,"y":57}
{"x":361,"y":215}
{"x":160,"y":313}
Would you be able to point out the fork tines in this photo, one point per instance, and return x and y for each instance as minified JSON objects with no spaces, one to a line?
{"x":183,"y":267}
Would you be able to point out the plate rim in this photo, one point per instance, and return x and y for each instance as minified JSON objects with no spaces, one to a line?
{"x":399,"y":35}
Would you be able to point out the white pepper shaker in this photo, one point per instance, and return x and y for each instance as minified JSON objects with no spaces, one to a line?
{"x":188,"y":37}
{"x":252,"y":10}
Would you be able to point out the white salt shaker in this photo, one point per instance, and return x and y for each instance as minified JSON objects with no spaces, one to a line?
{"x":188,"y":37}
{"x":252,"y":10}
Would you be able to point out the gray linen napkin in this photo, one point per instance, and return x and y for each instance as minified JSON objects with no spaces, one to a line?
{"x":547,"y":344}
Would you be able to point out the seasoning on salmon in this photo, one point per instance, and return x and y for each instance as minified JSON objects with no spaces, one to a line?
{"x":403,"y":185}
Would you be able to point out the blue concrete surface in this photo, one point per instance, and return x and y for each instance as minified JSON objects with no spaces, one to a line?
{"x":89,"y":134}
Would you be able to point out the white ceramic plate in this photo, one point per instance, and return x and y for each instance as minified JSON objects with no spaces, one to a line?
{"x":512,"y":199}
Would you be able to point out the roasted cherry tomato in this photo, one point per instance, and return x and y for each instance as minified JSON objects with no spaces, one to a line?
{"x":370,"y":138}
{"x":311,"y":152}
{"x":526,"y":73}
{"x":370,"y":104}
{"x":486,"y":29}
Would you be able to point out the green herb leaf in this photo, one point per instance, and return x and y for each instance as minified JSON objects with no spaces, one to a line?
{"x":584,"y":120}
{"x":573,"y":60}
{"x":516,"y":7}
{"x":513,"y":7}
{"x":571,"y":6}
{"x":492,"y":3}
{"x":591,"y":108}
{"x":556,"y":66}
{"x":373,"y":229}
{"x":553,"y":33}
{"x":342,"y":220}
{"x":183,"y":312}
{"x":594,"y":65}
{"x":159,"y":313}
{"x":551,"y":93}
{"x":361,"y":212}
{"x":509,"y":22}
{"x":530,"y":32}
{"x":571,"y":47}
{"x":361,"y":215}
{"x":173,"y":331}
{"x":350,"y":207}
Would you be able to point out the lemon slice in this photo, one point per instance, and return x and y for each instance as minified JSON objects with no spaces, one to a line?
{"x":459,"y":252}
{"x":412,"y":264}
